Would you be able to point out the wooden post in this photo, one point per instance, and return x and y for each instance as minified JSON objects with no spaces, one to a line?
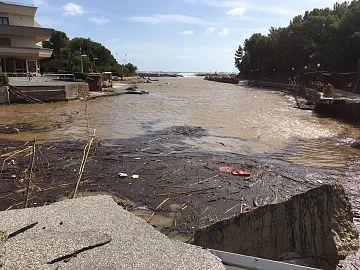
{"x":357,"y":85}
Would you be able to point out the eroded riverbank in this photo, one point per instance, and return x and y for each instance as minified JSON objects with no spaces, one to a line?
{"x":186,"y":181}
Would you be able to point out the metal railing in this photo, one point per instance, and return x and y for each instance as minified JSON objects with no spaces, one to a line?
{"x":66,"y":77}
{"x":237,"y":262}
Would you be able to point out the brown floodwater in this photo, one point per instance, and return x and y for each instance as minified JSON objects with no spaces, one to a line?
{"x":239,"y":119}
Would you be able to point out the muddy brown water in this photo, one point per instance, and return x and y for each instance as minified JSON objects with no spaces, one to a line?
{"x":239,"y":119}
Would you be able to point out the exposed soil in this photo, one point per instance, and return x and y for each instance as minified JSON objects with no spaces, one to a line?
{"x":179,"y":189}
{"x":14,"y":129}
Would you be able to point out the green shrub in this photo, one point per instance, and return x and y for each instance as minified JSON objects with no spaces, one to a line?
{"x":80,"y":76}
{"x":4,"y":79}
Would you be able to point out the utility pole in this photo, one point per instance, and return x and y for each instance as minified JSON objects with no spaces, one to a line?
{"x":95,"y":59}
{"x":82,"y":64}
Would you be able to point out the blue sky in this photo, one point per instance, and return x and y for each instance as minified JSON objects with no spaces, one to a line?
{"x":171,"y":35}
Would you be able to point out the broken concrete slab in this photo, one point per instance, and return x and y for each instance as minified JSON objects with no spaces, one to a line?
{"x":3,"y":238}
{"x":52,"y":247}
{"x":315,"y":225}
{"x":94,"y":233}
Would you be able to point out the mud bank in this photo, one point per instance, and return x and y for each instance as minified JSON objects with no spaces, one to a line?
{"x":196,"y":192}
{"x":180,"y":188}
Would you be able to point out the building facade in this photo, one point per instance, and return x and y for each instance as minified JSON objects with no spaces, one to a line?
{"x":20,"y":40}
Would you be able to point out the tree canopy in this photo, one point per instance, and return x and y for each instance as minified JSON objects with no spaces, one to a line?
{"x":67,"y":56}
{"x":322,"y":39}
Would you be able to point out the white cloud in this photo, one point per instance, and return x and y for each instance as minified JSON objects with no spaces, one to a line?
{"x":72,"y":9}
{"x":39,"y":3}
{"x":187,"y":33}
{"x":114,"y":40}
{"x":99,"y":20}
{"x":224,"y":32}
{"x":220,"y":32}
{"x":238,"y":11}
{"x":168,"y":18}
{"x":283,"y":8}
{"x":218,"y":3}
{"x":211,"y":30}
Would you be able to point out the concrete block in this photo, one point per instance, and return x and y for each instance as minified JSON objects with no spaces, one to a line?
{"x":315,"y":225}
{"x":94,"y":233}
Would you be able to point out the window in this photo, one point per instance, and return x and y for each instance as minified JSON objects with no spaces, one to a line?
{"x":4,"y":20}
{"x":5,"y":42}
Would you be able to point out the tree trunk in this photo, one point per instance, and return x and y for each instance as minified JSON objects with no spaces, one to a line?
{"x":357,"y":85}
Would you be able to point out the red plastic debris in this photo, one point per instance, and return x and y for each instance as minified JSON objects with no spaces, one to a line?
{"x":225,"y":169}
{"x":241,"y":173}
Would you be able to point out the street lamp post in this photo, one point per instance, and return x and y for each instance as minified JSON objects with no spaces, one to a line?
{"x":82,"y":64}
{"x":95,"y":59}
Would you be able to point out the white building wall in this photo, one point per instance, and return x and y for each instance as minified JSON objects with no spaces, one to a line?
{"x":21,"y":20}
{"x":21,"y":45}
{"x":21,"y":41}
{"x":27,"y":42}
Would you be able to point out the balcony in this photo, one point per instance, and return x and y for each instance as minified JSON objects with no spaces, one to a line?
{"x":40,"y":34}
{"x":25,"y":53}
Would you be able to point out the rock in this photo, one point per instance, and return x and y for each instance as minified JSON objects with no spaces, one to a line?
{"x":356,"y":144}
{"x":3,"y":238}
{"x":317,"y":225}
{"x":188,"y":131}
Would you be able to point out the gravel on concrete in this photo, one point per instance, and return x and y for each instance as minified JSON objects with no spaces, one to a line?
{"x":94,"y":233}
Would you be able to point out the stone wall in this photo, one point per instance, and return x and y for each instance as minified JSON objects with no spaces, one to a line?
{"x":222,"y":79}
{"x":339,"y":108}
{"x":292,"y":89}
{"x":317,"y":225}
{"x":343,"y":108}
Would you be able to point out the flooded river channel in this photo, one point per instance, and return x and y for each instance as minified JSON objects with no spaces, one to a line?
{"x":171,"y":146}
{"x":239,"y":119}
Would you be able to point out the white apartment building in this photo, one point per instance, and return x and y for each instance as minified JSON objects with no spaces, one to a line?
{"x":20,"y":36}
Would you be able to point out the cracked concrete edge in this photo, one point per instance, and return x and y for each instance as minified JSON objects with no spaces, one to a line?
{"x":47,"y":213}
{"x":3,"y":238}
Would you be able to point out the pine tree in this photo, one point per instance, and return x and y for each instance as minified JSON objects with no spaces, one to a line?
{"x":238,"y":57}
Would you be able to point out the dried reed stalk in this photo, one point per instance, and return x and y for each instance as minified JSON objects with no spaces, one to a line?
{"x":11,"y":155}
{"x":31,"y":169}
{"x":86,"y":153}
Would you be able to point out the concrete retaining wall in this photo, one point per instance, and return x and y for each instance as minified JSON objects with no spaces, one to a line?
{"x":52,"y":93}
{"x":315,"y":225}
{"x":3,"y":95}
